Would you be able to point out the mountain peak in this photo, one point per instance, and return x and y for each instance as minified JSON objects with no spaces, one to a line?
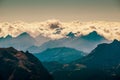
{"x":8,"y":36}
{"x":94,"y":33}
{"x":71,"y":35}
{"x":93,"y":36}
{"x":24,"y":33}
{"x":115,"y":41}
{"x":114,"y":46}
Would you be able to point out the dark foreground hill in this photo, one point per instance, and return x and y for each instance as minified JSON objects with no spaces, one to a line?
{"x":17,"y":65}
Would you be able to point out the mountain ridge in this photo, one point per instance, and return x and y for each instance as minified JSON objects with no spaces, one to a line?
{"x":60,"y":54}
{"x":84,"y":43}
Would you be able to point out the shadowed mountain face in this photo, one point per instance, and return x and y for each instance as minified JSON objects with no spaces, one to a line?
{"x":83,"y":43}
{"x":103,"y":63}
{"x":17,"y":65}
{"x":104,"y":55}
{"x":61,"y":54}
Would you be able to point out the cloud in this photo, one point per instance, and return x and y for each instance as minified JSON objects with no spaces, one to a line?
{"x":56,"y":29}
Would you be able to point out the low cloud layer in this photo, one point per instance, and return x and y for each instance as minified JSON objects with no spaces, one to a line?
{"x":56,"y":29}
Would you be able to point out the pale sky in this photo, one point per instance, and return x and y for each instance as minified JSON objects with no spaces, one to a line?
{"x":64,"y":10}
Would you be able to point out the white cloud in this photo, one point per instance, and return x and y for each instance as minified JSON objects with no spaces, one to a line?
{"x":110,"y":30}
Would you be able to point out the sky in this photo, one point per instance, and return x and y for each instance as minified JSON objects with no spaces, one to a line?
{"x":64,"y":10}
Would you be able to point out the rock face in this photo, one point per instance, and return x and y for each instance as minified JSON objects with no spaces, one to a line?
{"x":17,"y":65}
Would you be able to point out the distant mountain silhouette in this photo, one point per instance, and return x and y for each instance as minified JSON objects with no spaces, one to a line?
{"x":17,"y":65}
{"x":71,"y":35}
{"x":61,"y":54}
{"x":25,"y":42}
{"x":85,"y":43}
{"x":21,"y":42}
{"x":93,"y":36}
{"x":8,"y":37}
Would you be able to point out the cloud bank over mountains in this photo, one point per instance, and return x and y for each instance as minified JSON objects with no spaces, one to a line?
{"x":56,"y":29}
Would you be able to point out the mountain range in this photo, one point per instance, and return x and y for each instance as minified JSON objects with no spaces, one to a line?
{"x":25,"y":42}
{"x":60,"y":51}
{"x":103,"y":63}
{"x":85,"y":43}
{"x":22,"y":42}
